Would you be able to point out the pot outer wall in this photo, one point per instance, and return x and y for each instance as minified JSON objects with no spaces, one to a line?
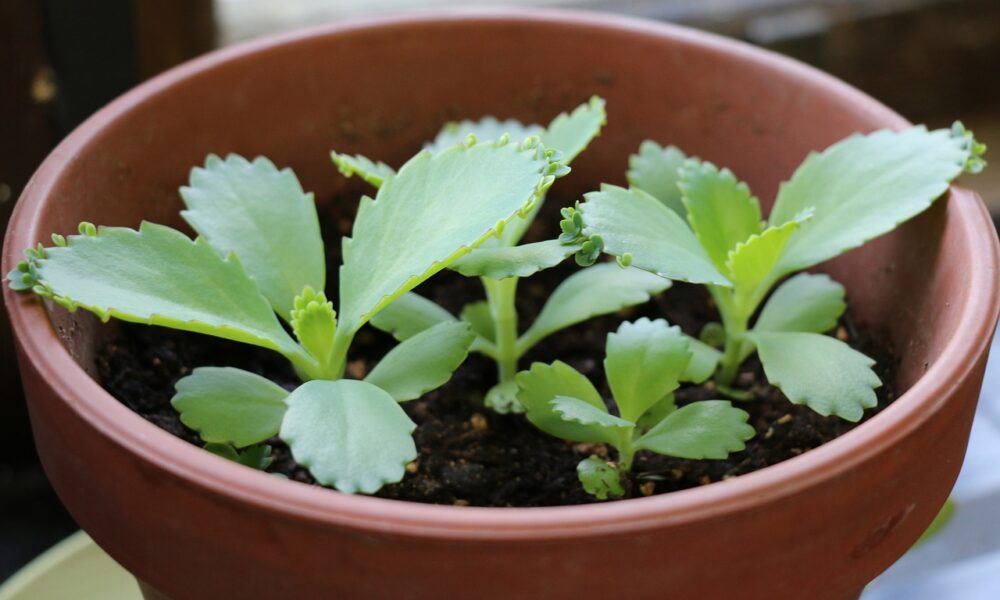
{"x":193,"y":526}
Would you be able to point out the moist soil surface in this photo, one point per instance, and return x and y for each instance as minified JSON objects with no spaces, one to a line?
{"x":469,"y":455}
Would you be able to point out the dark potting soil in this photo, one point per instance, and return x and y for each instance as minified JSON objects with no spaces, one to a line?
{"x":469,"y":455}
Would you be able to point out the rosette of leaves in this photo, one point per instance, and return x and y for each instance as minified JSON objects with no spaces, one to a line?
{"x":688,"y":220}
{"x":501,"y":262}
{"x":258,"y":260}
{"x":644,"y":363}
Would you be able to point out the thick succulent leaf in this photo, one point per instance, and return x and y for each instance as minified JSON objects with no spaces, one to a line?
{"x":488,"y":128}
{"x":806,"y":302}
{"x":501,"y":262}
{"x":350,"y":434}
{"x":704,"y":360}
{"x":863,"y":186}
{"x":571,"y":133}
{"x":502,"y":398}
{"x":599,"y":290}
{"x":229,"y":406}
{"x":314,"y":323}
{"x":478,"y":315}
{"x":656,"y":171}
{"x":159,"y":276}
{"x":720,"y":209}
{"x":263,"y":215}
{"x":423,"y":362}
{"x":256,"y":457}
{"x":658,"y":240}
{"x":600,"y":478}
{"x":645,"y":361}
{"x":541,"y":384}
{"x":374,"y":173}
{"x":410,"y":314}
{"x":752,"y":262}
{"x":708,"y":429}
{"x":585,"y":413}
{"x":819,"y":371}
{"x":436,"y":208}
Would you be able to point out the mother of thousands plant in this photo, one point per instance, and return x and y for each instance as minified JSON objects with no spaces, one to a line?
{"x":501,"y":262}
{"x":688,"y":220}
{"x":259,"y":258}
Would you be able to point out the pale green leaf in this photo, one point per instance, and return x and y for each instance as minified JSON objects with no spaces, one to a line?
{"x":350,"y":434}
{"x":599,"y":290}
{"x":488,"y":128}
{"x":501,"y":262}
{"x":541,"y":384}
{"x":410,"y":314}
{"x":374,"y":173}
{"x":708,"y":429}
{"x":644,"y":363}
{"x":263,"y":215}
{"x":314,"y":323}
{"x":656,"y":171}
{"x":229,"y":406}
{"x":819,"y":371}
{"x":422,"y":362}
{"x":751,"y":262}
{"x":600,"y":478}
{"x":704,"y":360}
{"x":158,"y":276}
{"x":863,"y":187}
{"x":436,"y":208}
{"x":585,"y":413}
{"x":720,"y":209}
{"x":633,"y":222}
{"x":571,"y":133}
{"x":477,"y":314}
{"x":806,"y":302}
{"x":502,"y":398}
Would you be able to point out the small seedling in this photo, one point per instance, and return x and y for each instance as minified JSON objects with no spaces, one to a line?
{"x":688,"y":220}
{"x":259,"y":258}
{"x":502,"y":262}
{"x":645,"y":362}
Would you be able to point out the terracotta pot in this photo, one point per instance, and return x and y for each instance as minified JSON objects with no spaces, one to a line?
{"x":191,"y":525}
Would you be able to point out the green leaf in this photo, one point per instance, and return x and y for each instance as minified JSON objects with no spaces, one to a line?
{"x":223,"y":451}
{"x":158,"y":276}
{"x":600,"y":478}
{"x":644,"y":363}
{"x":806,"y":302}
{"x":571,"y":133}
{"x":410,"y":314}
{"x":541,"y":384}
{"x":257,"y":457}
{"x":704,"y":360}
{"x":752,"y":262}
{"x":502,"y":398}
{"x":720,"y":209}
{"x":819,"y":371}
{"x":488,"y":128}
{"x":477,"y":314}
{"x":657,"y":413}
{"x":263,"y":215}
{"x":863,"y":187}
{"x":350,"y":434}
{"x":429,"y":215}
{"x":314,"y":322}
{"x":633,"y":222}
{"x":599,"y":290}
{"x":229,"y":406}
{"x":585,"y":413}
{"x":708,"y":429}
{"x":423,"y":362}
{"x":655,"y":170}
{"x":374,"y":173}
{"x":500,"y":262}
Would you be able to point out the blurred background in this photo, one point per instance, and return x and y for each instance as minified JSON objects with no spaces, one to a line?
{"x":933,"y":61}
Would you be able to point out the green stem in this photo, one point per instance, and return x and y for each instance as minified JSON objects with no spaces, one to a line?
{"x":334,"y":369}
{"x":735,"y":319}
{"x":500,"y":296}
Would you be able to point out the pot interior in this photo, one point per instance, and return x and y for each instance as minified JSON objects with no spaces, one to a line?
{"x":383,"y":91}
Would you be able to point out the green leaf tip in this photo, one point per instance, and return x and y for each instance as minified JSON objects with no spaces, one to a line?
{"x":975,"y":163}
{"x":373,"y":173}
{"x":571,"y":225}
{"x":314,"y":322}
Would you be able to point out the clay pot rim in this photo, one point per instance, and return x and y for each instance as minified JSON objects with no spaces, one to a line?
{"x":322,"y":507}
